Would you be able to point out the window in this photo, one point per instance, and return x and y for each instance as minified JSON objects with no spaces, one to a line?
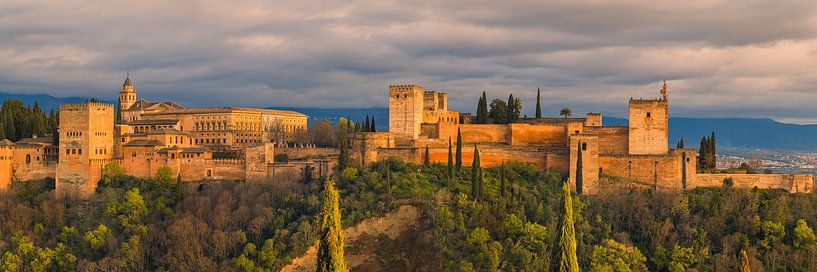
{"x":73,"y":151}
{"x":584,"y":146}
{"x":79,"y":151}
{"x":209,"y":173}
{"x":28,"y":159}
{"x":648,"y":114}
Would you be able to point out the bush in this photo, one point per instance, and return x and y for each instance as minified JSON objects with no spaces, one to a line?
{"x":281,"y":158}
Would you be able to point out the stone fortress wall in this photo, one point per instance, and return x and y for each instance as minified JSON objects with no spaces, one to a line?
{"x":639,"y":152}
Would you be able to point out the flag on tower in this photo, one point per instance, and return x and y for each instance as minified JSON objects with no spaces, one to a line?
{"x":664,"y":90}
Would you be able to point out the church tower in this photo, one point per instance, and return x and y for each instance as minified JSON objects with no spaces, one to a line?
{"x":127,"y":96}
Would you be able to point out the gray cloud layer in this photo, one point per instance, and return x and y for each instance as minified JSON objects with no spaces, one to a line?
{"x":727,"y":58}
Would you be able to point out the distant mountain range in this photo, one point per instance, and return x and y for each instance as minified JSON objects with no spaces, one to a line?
{"x":730,"y":132}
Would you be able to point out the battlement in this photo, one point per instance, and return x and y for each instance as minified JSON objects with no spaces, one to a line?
{"x":405,"y":87}
{"x":84,"y":105}
{"x":648,"y":101}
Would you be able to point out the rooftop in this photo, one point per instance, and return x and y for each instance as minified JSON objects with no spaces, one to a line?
{"x":227,"y":110}
{"x":144,"y":143}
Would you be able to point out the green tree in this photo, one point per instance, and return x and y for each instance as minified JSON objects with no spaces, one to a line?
{"x":476,"y":176}
{"x":450,"y":160}
{"x":2,"y":130}
{"x":343,"y":156}
{"x":164,"y":175}
{"x":502,"y":179}
{"x":373,"y":126}
{"x":366,"y":124}
{"x":538,"y":103}
{"x":566,"y":249}
{"x":427,"y":159}
{"x":772,"y":232}
{"x":482,"y":109}
{"x":330,"y":250}
{"x":566,"y":112}
{"x":744,"y":262}
{"x":459,"y":151}
{"x":111,"y":172}
{"x":514,"y":107}
{"x":614,"y":256}
{"x":579,"y":169}
{"x":803,"y":235}
{"x":499,"y":112}
{"x":96,"y":238}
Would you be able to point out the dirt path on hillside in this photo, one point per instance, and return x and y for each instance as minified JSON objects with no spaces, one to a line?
{"x":392,"y":225}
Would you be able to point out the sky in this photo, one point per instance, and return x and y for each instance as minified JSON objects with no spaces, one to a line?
{"x":720,"y":58}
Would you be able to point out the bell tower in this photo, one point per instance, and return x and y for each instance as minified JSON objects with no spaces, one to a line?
{"x":127,"y":96}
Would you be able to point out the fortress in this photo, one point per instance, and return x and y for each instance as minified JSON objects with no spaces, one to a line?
{"x":638,"y":153}
{"x":225,"y":143}
{"x":230,"y":143}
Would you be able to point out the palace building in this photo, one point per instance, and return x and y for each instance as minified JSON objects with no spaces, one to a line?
{"x":223,"y":143}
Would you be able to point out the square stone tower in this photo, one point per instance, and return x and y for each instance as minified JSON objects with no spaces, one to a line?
{"x":649,"y":126}
{"x":86,"y":141}
{"x":405,"y":112}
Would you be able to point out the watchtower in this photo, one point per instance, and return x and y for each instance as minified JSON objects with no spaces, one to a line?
{"x":86,"y":139}
{"x":405,"y":112}
{"x":649,"y":125}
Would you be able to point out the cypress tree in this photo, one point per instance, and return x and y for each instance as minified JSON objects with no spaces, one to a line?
{"x":366,"y":124}
{"x":117,"y":113}
{"x":2,"y":130}
{"x":538,"y":104}
{"x":373,"y":126}
{"x":479,"y":111}
{"x":55,"y":134}
{"x":566,"y":260}
{"x":427,"y":160}
{"x":450,"y":161}
{"x":713,"y":158}
{"x":343,"y":157}
{"x":476,"y":175}
{"x":459,"y":151}
{"x":579,"y":170}
{"x":682,"y":143}
{"x":510,"y":109}
{"x":744,"y":262}
{"x":482,"y":109}
{"x":330,"y":250}
{"x":702,"y":154}
{"x":502,"y":179}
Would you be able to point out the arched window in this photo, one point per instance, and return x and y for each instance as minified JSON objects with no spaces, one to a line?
{"x":172,"y":156}
{"x":28,"y":159}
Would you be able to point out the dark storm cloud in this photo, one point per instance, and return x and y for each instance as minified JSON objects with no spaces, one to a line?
{"x":735,"y":58}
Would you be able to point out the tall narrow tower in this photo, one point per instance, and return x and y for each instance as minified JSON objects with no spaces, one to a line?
{"x":649,"y":125}
{"x":86,"y":144}
{"x":127,"y":96}
{"x":405,"y":112}
{"x":6,"y":172}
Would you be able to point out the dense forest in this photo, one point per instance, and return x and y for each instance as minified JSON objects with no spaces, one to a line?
{"x":18,"y":121}
{"x":133,"y":224}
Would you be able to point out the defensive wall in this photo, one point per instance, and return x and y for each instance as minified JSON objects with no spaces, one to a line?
{"x":794,"y":183}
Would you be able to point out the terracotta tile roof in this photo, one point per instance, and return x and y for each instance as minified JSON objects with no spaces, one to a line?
{"x":226,"y":110}
{"x":144,"y":143}
{"x":6,"y":142}
{"x":153,"y":122}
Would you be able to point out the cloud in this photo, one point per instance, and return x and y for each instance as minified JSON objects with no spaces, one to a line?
{"x":721,"y":58}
